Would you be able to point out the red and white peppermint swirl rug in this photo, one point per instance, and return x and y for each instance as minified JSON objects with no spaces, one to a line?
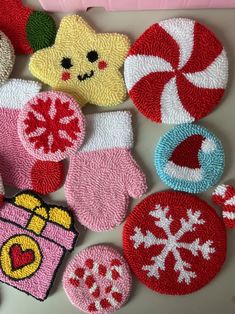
{"x":176,"y":71}
{"x":98,"y":280}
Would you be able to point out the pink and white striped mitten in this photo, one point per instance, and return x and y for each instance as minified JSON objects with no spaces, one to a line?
{"x":17,"y":166}
{"x":103,"y":174}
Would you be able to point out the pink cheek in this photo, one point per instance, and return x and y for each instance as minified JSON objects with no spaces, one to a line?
{"x":65,"y":76}
{"x":102,"y":65}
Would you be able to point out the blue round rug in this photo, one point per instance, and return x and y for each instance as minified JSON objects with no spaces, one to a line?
{"x":189,"y":158}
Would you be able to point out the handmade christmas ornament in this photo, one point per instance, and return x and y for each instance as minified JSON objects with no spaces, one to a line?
{"x":98,"y":280}
{"x":189,"y":158}
{"x":224,"y":196}
{"x":103,"y":174}
{"x":34,"y":238}
{"x":27,"y":29}
{"x":84,"y":63}
{"x":17,"y":166}
{"x":180,"y":80}
{"x":51,"y":126}
{"x":174,"y":242}
{"x":7,"y":57}
{"x":2,"y":191}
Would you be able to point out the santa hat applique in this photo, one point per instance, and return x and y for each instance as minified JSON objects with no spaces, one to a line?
{"x":224,"y":196}
{"x":189,"y":158}
{"x":184,"y":162}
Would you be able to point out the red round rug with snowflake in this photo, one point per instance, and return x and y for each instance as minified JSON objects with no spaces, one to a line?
{"x":51,"y":126}
{"x":176,"y":72}
{"x":174,"y":242}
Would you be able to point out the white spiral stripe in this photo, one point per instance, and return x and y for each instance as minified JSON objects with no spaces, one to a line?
{"x":182,"y":31}
{"x":139,"y":66}
{"x":214,"y":76}
{"x":172,"y":110}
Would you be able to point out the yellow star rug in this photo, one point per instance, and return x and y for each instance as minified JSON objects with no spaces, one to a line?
{"x":84,"y":63}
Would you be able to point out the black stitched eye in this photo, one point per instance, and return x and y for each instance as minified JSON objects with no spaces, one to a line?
{"x":92,"y":56}
{"x":66,"y":63}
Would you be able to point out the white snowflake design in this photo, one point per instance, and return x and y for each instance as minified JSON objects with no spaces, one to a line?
{"x":173,"y":244}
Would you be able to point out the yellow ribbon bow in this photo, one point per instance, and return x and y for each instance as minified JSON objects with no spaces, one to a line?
{"x":41,"y":212}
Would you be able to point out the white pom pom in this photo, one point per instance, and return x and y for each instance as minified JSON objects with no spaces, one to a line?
{"x":208,"y":146}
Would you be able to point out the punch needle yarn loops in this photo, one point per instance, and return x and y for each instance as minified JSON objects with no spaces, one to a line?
{"x":189,"y":158}
{"x":174,"y":242}
{"x":176,"y":71}
{"x":98,"y":280}
{"x":84,"y":63}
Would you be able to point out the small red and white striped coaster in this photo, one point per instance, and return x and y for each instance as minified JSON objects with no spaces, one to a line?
{"x":224,"y":196}
{"x":98,"y":280}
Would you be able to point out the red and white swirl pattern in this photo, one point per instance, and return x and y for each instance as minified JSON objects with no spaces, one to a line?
{"x":176,"y":72}
{"x":224,"y":196}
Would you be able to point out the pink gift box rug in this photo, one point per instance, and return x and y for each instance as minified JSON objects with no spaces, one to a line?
{"x":34,"y":238}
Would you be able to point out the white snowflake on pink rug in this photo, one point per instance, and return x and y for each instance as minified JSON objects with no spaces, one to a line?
{"x":173,"y":244}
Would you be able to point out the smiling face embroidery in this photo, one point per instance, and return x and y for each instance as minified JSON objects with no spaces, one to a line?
{"x":85,"y":76}
{"x":84,"y":63}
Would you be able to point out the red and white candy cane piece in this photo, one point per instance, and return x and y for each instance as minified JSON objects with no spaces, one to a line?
{"x":88,"y":278}
{"x":113,"y":273}
{"x":114,"y":297}
{"x":224,"y":196}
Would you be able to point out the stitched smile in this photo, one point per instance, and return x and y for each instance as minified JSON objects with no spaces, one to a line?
{"x":86,"y":76}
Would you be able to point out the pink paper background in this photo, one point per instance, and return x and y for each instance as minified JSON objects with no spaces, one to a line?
{"x":113,"y":5}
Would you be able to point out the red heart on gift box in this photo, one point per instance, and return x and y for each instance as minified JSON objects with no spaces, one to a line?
{"x":20,"y":258}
